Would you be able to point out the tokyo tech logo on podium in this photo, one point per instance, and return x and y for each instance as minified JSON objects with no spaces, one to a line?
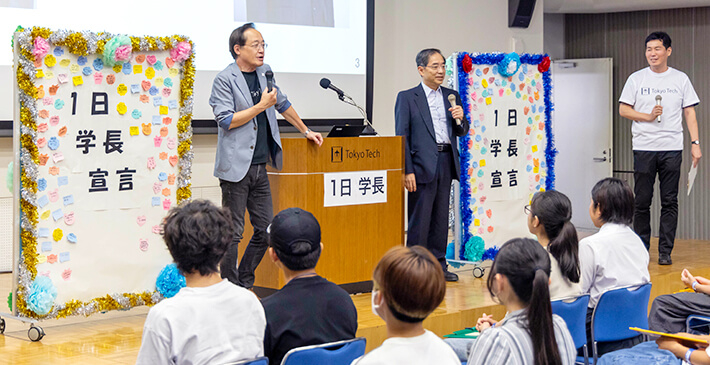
{"x":336,"y":154}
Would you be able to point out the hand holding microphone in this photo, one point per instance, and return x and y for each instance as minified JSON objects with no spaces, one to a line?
{"x":658,"y":109}
{"x":457,"y":113}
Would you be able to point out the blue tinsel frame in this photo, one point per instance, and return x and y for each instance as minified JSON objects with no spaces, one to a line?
{"x":464,"y":153}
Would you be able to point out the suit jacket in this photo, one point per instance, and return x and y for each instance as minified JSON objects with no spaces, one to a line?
{"x":235,"y":147}
{"x":413,"y":120}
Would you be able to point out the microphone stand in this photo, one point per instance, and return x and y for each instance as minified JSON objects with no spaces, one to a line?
{"x":369,"y":129}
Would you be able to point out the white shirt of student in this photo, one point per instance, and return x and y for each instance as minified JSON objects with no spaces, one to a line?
{"x":560,"y":286}
{"x":613,"y":257}
{"x":677,"y":93}
{"x":424,"y":349}
{"x":218,"y":324}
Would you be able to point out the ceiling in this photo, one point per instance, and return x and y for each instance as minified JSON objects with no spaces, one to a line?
{"x":612,"y":6}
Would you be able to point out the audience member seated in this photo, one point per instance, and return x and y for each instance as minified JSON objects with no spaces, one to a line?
{"x":669,"y":312}
{"x":549,"y":216}
{"x":309,"y":309}
{"x":664,"y":350}
{"x":615,"y":256}
{"x":408,"y":286}
{"x":210,"y":321}
{"x":529,"y":333}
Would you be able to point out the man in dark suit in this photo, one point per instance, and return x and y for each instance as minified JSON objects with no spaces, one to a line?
{"x":431,"y":155}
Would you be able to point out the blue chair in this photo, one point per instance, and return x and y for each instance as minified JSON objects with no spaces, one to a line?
{"x":617,"y":310}
{"x":258,"y":361}
{"x":339,"y":352}
{"x":697,"y":324}
{"x":574,"y":311}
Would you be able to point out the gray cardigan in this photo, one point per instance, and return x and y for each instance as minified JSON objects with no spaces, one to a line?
{"x":235,"y":147}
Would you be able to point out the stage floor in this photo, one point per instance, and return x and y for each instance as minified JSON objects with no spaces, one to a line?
{"x":115,"y":337}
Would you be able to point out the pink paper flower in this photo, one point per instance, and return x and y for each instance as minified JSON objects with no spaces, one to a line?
{"x":123,"y":53}
{"x":41,"y":47}
{"x":181,"y":51}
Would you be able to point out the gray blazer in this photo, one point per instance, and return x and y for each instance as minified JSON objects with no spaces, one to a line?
{"x":235,"y":147}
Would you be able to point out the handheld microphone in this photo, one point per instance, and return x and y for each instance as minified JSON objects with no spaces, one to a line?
{"x":658,"y":102}
{"x":325,"y":83}
{"x":452,"y":101}
{"x":269,"y":80}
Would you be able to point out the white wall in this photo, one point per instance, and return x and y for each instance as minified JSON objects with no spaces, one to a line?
{"x":554,"y":35}
{"x":404,"y":27}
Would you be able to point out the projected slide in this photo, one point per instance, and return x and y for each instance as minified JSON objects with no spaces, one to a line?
{"x":307,"y":40}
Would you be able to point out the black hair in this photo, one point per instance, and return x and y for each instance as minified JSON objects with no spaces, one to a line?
{"x":239,"y":38}
{"x":661,"y":36}
{"x":615,"y":200}
{"x":423,"y":56}
{"x":554,"y":210}
{"x":300,"y":262}
{"x":527,"y":266}
{"x":198,"y":235}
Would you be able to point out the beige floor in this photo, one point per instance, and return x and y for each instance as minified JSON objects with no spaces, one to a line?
{"x":114,"y":338}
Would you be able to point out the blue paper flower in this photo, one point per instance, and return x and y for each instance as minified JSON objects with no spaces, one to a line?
{"x":169,"y":281}
{"x":490,"y":253}
{"x":474,"y":249}
{"x":81,"y":60}
{"x":58,"y":51}
{"x":86,"y":71}
{"x":509,"y":65}
{"x":42,"y":295}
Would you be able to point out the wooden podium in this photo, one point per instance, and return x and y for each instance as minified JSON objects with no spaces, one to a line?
{"x":354,"y":236}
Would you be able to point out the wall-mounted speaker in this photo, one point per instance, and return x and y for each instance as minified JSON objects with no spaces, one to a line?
{"x":520,"y":13}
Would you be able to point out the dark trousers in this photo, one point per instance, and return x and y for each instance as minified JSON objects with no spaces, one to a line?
{"x":604,"y":347}
{"x":252,"y":193}
{"x":669,"y":312}
{"x":429,"y":210}
{"x":667,"y":165}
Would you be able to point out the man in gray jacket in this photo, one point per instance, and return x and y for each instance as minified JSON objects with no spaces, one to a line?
{"x":248,"y":138}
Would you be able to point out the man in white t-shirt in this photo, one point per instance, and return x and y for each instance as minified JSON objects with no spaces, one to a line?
{"x":210,"y":321}
{"x":656,"y":99}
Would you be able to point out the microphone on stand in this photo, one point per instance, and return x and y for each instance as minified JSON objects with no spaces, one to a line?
{"x":326,"y":84}
{"x":658,"y":102}
{"x":452,"y":101}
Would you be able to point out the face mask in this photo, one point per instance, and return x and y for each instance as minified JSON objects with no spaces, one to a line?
{"x":374,"y":306}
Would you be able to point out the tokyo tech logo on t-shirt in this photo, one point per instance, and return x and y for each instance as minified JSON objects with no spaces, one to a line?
{"x":657,"y":91}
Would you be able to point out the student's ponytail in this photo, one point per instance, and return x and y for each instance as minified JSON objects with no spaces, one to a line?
{"x":565,"y":249}
{"x":541,"y":329}
{"x":554,"y":211}
{"x":526,"y":265}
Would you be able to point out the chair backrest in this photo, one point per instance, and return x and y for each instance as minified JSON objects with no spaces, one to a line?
{"x":697,"y":324}
{"x":339,"y":352}
{"x":258,"y":361}
{"x":617,"y":310}
{"x":574,"y":311}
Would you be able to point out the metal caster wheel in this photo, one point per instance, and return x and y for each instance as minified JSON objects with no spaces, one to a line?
{"x":2,"y":326}
{"x":478,"y":272}
{"x":35,"y":333}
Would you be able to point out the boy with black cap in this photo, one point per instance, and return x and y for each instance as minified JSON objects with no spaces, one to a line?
{"x":309,"y":309}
